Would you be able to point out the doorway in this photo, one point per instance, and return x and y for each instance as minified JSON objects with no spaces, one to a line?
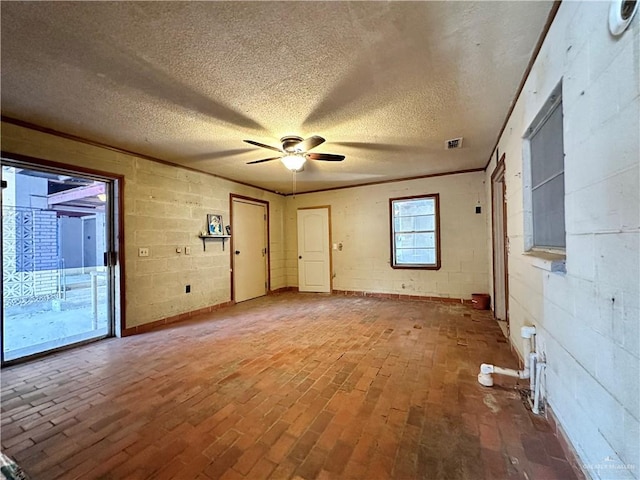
{"x":314,"y":254}
{"x":500,"y":246}
{"x":249,"y":241}
{"x":58,"y":263}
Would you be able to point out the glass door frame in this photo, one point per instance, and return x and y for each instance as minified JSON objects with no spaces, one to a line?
{"x":114,"y":261}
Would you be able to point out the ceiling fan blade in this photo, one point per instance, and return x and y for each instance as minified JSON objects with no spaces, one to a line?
{"x":309,"y":143}
{"x":263,"y":160}
{"x":326,"y":157}
{"x":258,"y":144}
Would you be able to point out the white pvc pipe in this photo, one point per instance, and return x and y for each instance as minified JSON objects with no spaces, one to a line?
{"x":487,"y":370}
{"x":536,"y":396}
{"x":533,"y":358}
{"x":526,"y":346}
{"x":510,"y":372}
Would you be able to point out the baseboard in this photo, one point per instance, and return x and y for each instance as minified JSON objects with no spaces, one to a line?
{"x":146,"y":327}
{"x":399,"y":296}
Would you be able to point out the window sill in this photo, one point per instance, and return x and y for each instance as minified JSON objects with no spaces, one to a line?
{"x":549,"y":261}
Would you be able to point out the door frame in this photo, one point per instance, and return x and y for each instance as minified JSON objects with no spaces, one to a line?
{"x":498,"y":176}
{"x":235,"y":196}
{"x":115,"y":240}
{"x":328,"y":207}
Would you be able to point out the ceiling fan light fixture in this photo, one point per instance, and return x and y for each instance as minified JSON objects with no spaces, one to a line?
{"x":293,"y":162}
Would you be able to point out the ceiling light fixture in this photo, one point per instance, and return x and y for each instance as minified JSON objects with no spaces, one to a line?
{"x":293,"y":162}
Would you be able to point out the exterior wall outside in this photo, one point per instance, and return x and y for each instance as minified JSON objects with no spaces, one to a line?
{"x":360,"y":221}
{"x":30,"y":257}
{"x":587,"y":319}
{"x":69,"y":251}
{"x":165,"y":207}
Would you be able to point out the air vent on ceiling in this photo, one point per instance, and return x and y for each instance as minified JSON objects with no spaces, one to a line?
{"x":453,"y":143}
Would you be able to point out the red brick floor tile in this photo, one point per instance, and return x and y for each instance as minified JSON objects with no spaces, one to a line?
{"x":330,"y":435}
{"x":312,"y":464}
{"x":338,"y":457}
{"x":261,"y":470}
{"x":220,"y":465}
{"x":250,"y":457}
{"x":283,"y":471}
{"x":280,"y":449}
{"x":338,"y":387}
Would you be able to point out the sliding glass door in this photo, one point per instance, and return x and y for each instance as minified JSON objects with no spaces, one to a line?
{"x":56,"y":282}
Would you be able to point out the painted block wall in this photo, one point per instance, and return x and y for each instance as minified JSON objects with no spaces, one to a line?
{"x":360,"y":221}
{"x":165,"y":207}
{"x":587,"y":319}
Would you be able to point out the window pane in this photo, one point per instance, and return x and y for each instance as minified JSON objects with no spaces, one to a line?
{"x":419,"y":223}
{"x":421,"y":256}
{"x":547,"y":149}
{"x":414,"y":224}
{"x":425,"y":240}
{"x":425,"y":222}
{"x":545,"y":197}
{"x":415,"y":207}
{"x":419,"y":240}
{"x":405,"y":240}
{"x":548,"y":214}
{"x":404,"y":224}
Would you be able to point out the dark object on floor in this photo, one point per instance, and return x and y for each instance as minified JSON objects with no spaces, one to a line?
{"x":9,"y":470}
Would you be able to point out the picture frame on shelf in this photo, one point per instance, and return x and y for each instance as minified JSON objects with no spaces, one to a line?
{"x":214,"y":224}
{"x":228,"y":229}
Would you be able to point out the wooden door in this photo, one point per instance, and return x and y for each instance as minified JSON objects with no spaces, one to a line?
{"x":314,"y":254}
{"x":500,"y":244}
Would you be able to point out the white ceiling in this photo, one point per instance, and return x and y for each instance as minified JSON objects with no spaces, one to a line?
{"x":386,"y":83}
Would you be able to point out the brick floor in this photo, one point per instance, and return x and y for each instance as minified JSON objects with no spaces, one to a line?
{"x":286,"y":386}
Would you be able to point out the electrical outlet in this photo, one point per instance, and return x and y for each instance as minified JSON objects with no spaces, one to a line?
{"x":187,"y":250}
{"x":187,"y":289}
{"x":478,"y":209}
{"x":178,"y":250}
{"x":143,"y":252}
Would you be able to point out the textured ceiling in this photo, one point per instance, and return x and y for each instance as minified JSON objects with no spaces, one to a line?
{"x":386,"y":83}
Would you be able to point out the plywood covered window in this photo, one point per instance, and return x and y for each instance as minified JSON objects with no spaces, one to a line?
{"x":415,"y":232}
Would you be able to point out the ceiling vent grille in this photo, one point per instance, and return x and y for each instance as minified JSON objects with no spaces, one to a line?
{"x":453,"y":143}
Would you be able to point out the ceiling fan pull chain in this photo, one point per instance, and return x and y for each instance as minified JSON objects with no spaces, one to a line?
{"x":294,"y":184}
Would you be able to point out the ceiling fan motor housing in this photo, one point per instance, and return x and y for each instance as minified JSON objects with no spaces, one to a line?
{"x":289,"y":143}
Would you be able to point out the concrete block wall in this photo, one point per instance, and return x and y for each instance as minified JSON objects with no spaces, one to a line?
{"x":45,"y":240}
{"x":360,"y":221}
{"x":46,"y":253}
{"x":165,"y":208}
{"x":587,"y":319}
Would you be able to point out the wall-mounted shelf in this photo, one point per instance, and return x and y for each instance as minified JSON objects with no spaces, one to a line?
{"x":207,"y":237}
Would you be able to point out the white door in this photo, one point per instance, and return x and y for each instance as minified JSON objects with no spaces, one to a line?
{"x":313,"y":250}
{"x":249,"y":233}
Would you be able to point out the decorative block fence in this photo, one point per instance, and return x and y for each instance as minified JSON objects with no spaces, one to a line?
{"x":30,"y":255}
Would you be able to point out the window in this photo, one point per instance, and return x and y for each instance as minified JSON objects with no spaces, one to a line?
{"x":544,"y":178}
{"x":415,"y":232}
